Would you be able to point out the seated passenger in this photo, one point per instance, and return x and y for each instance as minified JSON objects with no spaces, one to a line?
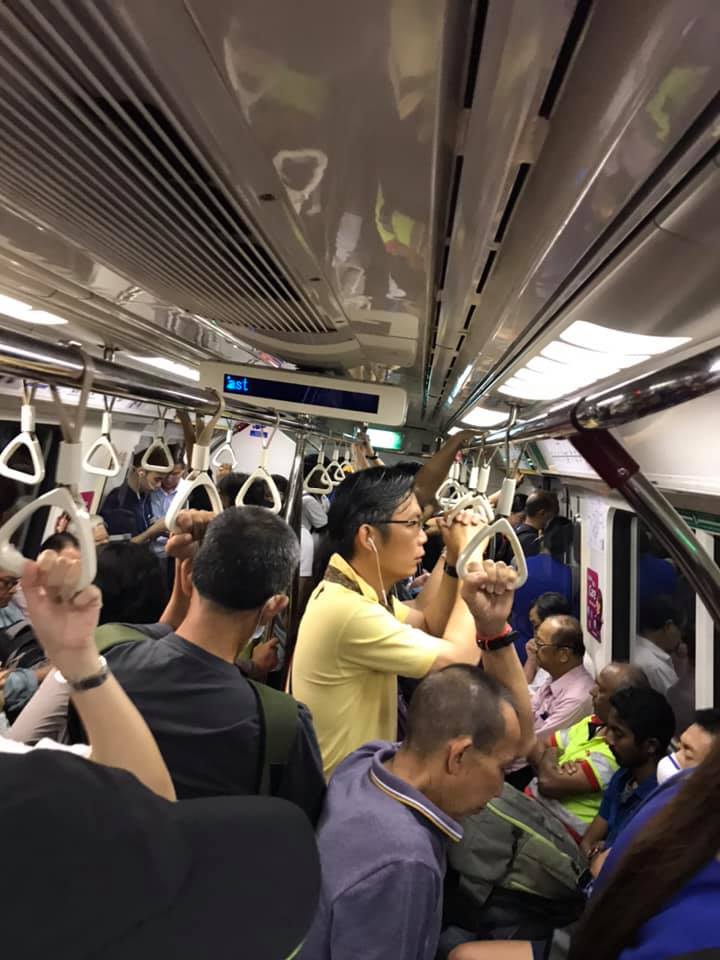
{"x":547,"y":573}
{"x":540,"y":508}
{"x":661,"y":625}
{"x":204,"y":713}
{"x":354,"y":640}
{"x":695,"y":744}
{"x":546,"y":605}
{"x":657,"y":896}
{"x":639,"y":728}
{"x":574,"y":766}
{"x":390,"y":811}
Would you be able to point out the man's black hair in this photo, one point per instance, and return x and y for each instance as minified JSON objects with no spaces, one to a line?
{"x":60,"y":541}
{"x":647,"y":714}
{"x":541,"y":500}
{"x":708,"y":719}
{"x":568,"y":633}
{"x":410,"y":467}
{"x":367,"y":496}
{"x":558,"y":537}
{"x":456,"y":701}
{"x":229,"y":486}
{"x":248,"y":555}
{"x":657,"y":611}
{"x":551,"y":604}
{"x":133,"y":583}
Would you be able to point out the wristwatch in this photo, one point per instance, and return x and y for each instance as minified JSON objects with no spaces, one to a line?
{"x":497,"y":642}
{"x":451,"y":570}
{"x":87,"y":683}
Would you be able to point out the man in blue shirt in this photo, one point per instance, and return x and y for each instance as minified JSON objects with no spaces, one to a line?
{"x":391,"y":810}
{"x":127,"y":509}
{"x":640,"y":727}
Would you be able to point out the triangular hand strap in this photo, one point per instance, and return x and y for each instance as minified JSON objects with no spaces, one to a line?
{"x":158,"y":458}
{"x":26,"y":438}
{"x":196,"y":480}
{"x":105,"y":444}
{"x":260,"y":474}
{"x":10,"y":557}
{"x":503,"y":526}
{"x":318,"y":474}
{"x":225,"y":448}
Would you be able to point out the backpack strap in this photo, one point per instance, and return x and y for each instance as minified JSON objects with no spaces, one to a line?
{"x":279,"y":721}
{"x":113,"y":634}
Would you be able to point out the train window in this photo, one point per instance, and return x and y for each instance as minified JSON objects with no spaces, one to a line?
{"x":622,"y":599}
{"x":663,"y":643}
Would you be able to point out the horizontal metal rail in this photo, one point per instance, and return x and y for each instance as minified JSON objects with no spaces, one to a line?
{"x":51,"y":363}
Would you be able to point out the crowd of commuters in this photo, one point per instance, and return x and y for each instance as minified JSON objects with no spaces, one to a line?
{"x":414,"y":704}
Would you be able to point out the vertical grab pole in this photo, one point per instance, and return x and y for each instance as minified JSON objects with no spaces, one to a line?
{"x":293,"y":517}
{"x":616,"y":467}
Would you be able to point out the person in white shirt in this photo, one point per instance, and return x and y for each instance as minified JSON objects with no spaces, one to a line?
{"x":659,"y":637}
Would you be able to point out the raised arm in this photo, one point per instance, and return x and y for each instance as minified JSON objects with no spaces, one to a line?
{"x":432,"y":473}
{"x":488,"y":591}
{"x":64,"y":624}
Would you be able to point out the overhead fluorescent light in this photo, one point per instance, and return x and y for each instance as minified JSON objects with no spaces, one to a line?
{"x":586,"y":353}
{"x":385,"y":439}
{"x":481,"y":417}
{"x":169,"y":366}
{"x":453,"y":430}
{"x":462,"y":380}
{"x":19,"y":310}
{"x":606,"y":340}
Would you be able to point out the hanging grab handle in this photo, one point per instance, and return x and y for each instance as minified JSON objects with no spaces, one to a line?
{"x":198,"y":477}
{"x":334,"y":470}
{"x":105,"y":444}
{"x":503,"y":526}
{"x":225,"y":448}
{"x":262,"y":473}
{"x":158,"y":457}
{"x":66,"y":495}
{"x":27,"y":439}
{"x":319,"y":474}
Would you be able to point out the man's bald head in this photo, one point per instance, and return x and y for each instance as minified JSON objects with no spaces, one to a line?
{"x":615,"y":676}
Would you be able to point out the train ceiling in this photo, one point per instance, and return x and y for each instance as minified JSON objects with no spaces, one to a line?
{"x":430,"y":193}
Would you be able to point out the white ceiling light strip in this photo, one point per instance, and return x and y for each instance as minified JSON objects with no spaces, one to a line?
{"x":19,"y":310}
{"x":585,"y":353}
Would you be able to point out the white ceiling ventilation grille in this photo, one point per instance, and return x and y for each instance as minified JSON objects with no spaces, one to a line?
{"x":91,"y":147}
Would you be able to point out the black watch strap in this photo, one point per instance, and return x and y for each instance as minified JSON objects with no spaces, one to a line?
{"x":497,"y":643}
{"x":451,"y":570}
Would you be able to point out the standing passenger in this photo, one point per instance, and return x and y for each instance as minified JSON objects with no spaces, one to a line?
{"x":354,"y":641}
{"x":127,"y":509}
{"x":391,"y":811}
{"x":541,"y":507}
{"x":661,"y":626}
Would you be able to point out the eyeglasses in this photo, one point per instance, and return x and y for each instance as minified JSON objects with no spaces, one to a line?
{"x":418,"y":524}
{"x":8,"y":583}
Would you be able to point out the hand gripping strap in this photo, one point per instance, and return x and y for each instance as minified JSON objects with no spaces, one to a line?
{"x":10,"y":557}
{"x":499,"y":526}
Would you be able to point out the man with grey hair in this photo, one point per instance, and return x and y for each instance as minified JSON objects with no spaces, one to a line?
{"x":391,"y":810}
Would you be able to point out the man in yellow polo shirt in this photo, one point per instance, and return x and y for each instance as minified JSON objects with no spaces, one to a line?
{"x":355,"y":639}
{"x":574,"y":766}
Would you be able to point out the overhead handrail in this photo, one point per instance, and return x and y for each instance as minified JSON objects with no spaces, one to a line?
{"x":474,"y":549}
{"x":334,"y":470}
{"x":104,"y":442}
{"x":27,"y":439}
{"x":159,"y":449}
{"x":226,"y":447}
{"x":319,"y":474}
{"x":198,"y":478}
{"x":262,"y":473}
{"x":66,"y":496}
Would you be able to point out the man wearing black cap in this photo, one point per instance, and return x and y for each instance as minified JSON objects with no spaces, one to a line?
{"x":98,"y":866}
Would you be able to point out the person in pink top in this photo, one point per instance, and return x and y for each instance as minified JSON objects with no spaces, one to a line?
{"x":565,"y":697}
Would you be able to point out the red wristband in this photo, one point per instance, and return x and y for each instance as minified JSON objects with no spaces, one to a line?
{"x":481,"y":638}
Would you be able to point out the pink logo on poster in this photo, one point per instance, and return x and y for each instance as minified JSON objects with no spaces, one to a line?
{"x":87,"y":496}
{"x":594,"y":605}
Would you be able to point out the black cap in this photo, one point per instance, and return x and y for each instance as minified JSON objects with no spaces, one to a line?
{"x":96,"y":866}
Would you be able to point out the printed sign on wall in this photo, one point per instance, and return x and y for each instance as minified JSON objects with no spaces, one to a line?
{"x":594,"y":605}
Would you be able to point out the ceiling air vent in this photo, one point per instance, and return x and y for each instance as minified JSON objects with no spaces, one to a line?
{"x":91,"y":147}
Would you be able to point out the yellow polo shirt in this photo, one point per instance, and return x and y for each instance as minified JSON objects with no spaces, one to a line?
{"x":349,"y":654}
